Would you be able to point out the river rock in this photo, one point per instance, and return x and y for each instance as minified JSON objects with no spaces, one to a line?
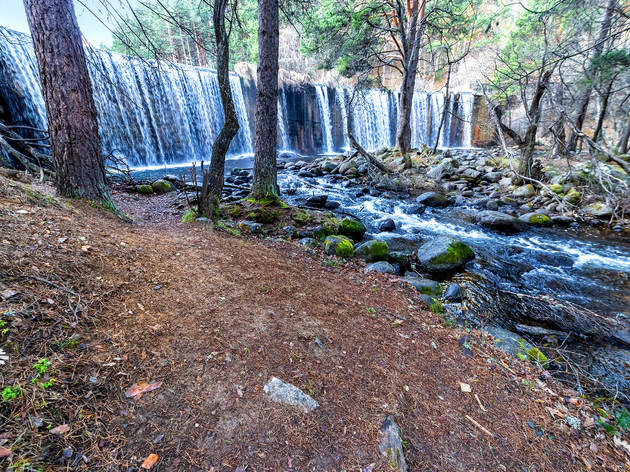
{"x":497,"y":220}
{"x":572,"y":197}
{"x":373,"y":250}
{"x":287,"y":394}
{"x":444,"y":167}
{"x":309,"y":242}
{"x":390,"y":444}
{"x":472,"y":173}
{"x":387,"y":225}
{"x":598,"y":210}
{"x":535,"y":219}
{"x":332,"y":205}
{"x":249,"y":226}
{"x":339,"y":246}
{"x":493,"y":176}
{"x":443,"y":254}
{"x":525,"y":191}
{"x":505,"y":182}
{"x":329,"y":166}
{"x":508,"y":341}
{"x":352,"y":228}
{"x":162,"y":186}
{"x":433,"y":199}
{"x":317,"y":200}
{"x":174,"y":179}
{"x":426,"y":286}
{"x":454,"y":293}
{"x":289,"y":231}
{"x":381,"y":266}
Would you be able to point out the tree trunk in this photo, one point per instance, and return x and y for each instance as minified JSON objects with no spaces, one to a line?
{"x":411,"y":52}
{"x":602,"y":111}
{"x":212,"y":187}
{"x":265,"y":181}
{"x":533,"y":115}
{"x":67,"y":90}
{"x":625,"y":137}
{"x":584,"y":100}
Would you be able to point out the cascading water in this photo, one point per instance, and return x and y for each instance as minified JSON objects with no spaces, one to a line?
{"x":157,"y":113}
{"x":324,"y":113}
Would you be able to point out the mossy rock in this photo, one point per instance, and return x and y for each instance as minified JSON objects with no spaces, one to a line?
{"x":444,"y":254}
{"x":556,"y":188}
{"x":373,"y":250}
{"x":572,"y":197}
{"x":264,"y":215}
{"x":535,"y":219}
{"x":425,"y":286}
{"x":162,"y":186}
{"x":145,"y":189}
{"x":352,"y":228}
{"x":302,"y":217}
{"x":339,"y":245}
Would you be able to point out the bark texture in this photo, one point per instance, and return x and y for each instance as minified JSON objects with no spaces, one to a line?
{"x":265,"y":181}
{"x":67,"y":90}
{"x":412,"y":37}
{"x":213,"y":177}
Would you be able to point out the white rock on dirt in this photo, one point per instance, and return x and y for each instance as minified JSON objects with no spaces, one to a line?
{"x":282,"y":392}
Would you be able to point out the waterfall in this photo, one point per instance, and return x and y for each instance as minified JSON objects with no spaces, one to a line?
{"x":282,"y":121}
{"x":158,"y":113}
{"x":324,"y":113}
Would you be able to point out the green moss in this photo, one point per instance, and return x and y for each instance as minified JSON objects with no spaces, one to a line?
{"x":235,"y":211}
{"x":145,"y":189}
{"x":268,"y":201}
{"x":222,"y":226}
{"x":374,"y":250}
{"x":161,"y":186}
{"x":322,"y":232}
{"x":556,"y":188}
{"x":190,"y":216}
{"x":302,"y":217}
{"x":539,"y":219}
{"x":456,"y":253}
{"x":573,"y":197}
{"x":352,"y":228}
{"x":343,"y":247}
{"x":436,"y":307}
{"x":533,"y":354}
{"x":264,"y":215}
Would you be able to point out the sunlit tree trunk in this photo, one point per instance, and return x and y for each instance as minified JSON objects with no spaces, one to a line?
{"x":265,"y":183}
{"x":67,"y":90}
{"x":213,"y":177}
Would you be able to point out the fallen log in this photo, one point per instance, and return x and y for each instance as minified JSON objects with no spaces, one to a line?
{"x":373,"y":160}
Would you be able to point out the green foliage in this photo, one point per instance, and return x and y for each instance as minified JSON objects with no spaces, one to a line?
{"x":436,"y":307}
{"x":190,"y":216}
{"x":222,"y":226}
{"x":532,"y":354}
{"x":617,"y":423}
{"x":182,"y":31}
{"x":145,"y":189}
{"x":42,"y":366}
{"x":9,"y":393}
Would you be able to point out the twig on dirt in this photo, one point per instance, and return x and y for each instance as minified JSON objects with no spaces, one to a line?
{"x":480,"y":404}
{"x":480,"y":427}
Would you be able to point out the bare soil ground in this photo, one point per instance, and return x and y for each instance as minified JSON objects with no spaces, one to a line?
{"x":212,"y":317}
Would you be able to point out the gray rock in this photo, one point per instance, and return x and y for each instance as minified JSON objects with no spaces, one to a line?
{"x":444,"y":254}
{"x":535,"y":219}
{"x":250,"y":226}
{"x":426,"y":286}
{"x":162,"y":186}
{"x":525,"y":191}
{"x":332,"y":205}
{"x":387,"y":225}
{"x":308,"y":242}
{"x":454,"y":293}
{"x":329,"y":166}
{"x":493,"y":176}
{"x":390,"y":444}
{"x":317,"y":200}
{"x":505,"y":182}
{"x":508,"y":341}
{"x":537,"y":330}
{"x":382,"y":267}
{"x":287,"y":394}
{"x":492,"y":205}
{"x":598,"y":210}
{"x":472,"y":173}
{"x":433,"y":199}
{"x":623,"y":337}
{"x":373,"y":250}
{"x":497,"y":220}
{"x":289,"y":231}
{"x":444,"y":167}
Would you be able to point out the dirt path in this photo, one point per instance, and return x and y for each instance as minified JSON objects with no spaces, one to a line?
{"x":213,"y":317}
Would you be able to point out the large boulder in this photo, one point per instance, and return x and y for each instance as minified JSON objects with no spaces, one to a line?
{"x":162,"y":186}
{"x":339,"y":246}
{"x":352,"y":228}
{"x":387,"y":225}
{"x":444,"y":254}
{"x":317,"y":200}
{"x":497,"y":220}
{"x":444,"y":167}
{"x":433,"y":199}
{"x":373,"y":250}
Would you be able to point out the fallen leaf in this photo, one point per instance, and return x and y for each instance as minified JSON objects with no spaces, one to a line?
{"x":621,"y":443}
{"x":59,"y":430}
{"x":85,"y":248}
{"x":465,"y":387}
{"x":8,"y":293}
{"x":136,"y":390}
{"x":4,"y":452}
{"x":150,"y":461}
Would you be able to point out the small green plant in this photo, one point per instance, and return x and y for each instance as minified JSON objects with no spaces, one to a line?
{"x":222,"y":226}
{"x":190,"y":216}
{"x":42,"y":366}
{"x":332,"y":263}
{"x":3,"y":327}
{"x":10,"y":392}
{"x":533,"y":354}
{"x":615,"y":424}
{"x":371,"y":311}
{"x":448,"y":322}
{"x":436,"y":307}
